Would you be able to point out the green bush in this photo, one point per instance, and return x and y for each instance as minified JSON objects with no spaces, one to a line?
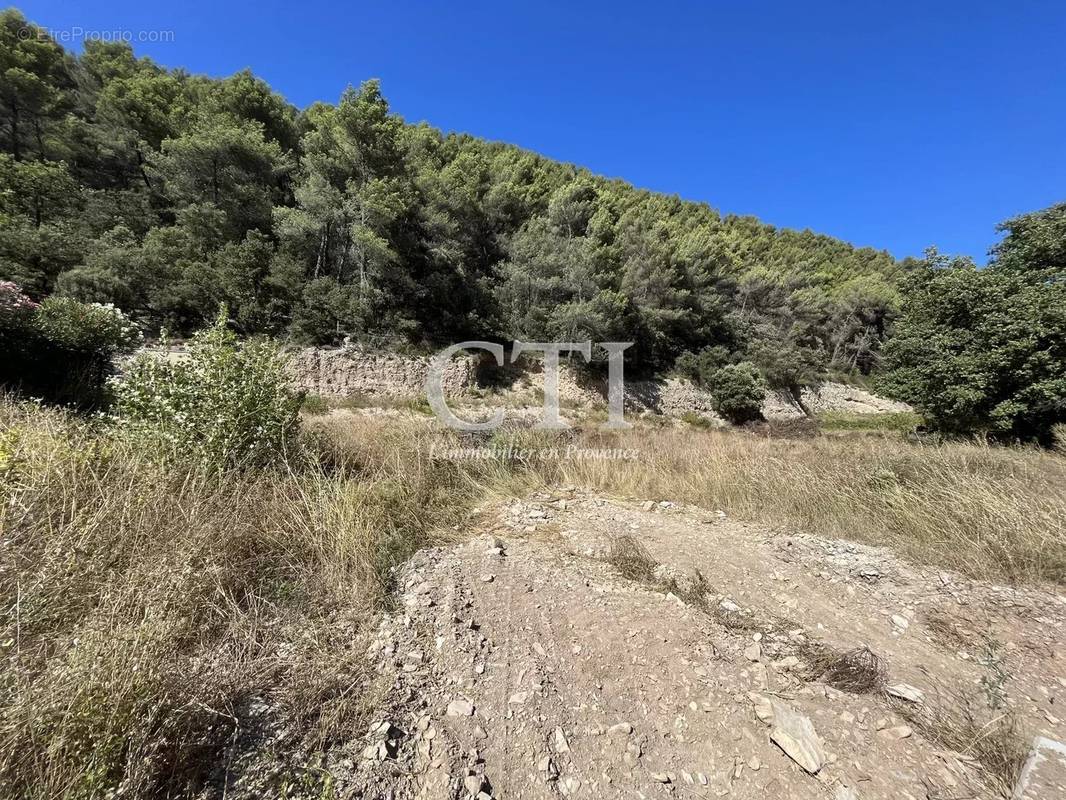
{"x":700,"y":368}
{"x":227,"y":404}
{"x":86,"y":327}
{"x":982,"y":351}
{"x":61,"y":350}
{"x":738,"y":391}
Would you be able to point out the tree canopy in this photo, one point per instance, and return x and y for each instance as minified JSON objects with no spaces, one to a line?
{"x":984,"y":350}
{"x":168,"y":193}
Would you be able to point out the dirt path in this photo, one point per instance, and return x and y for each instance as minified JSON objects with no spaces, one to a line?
{"x":525,"y":665}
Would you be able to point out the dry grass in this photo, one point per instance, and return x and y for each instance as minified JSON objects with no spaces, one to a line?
{"x":955,"y":718}
{"x":150,"y":614}
{"x":989,"y":512}
{"x":632,"y":559}
{"x":858,"y":671}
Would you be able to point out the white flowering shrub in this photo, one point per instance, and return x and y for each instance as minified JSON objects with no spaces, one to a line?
{"x":86,"y":327}
{"x":227,"y":405}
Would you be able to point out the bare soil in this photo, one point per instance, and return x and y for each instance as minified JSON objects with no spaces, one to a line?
{"x":522,"y":664}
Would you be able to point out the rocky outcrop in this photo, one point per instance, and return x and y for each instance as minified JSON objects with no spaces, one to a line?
{"x":675,"y":398}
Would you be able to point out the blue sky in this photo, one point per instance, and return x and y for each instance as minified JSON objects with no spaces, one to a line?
{"x":891,"y":124}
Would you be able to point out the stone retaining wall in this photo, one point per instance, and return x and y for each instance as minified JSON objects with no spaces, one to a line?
{"x":348,"y":371}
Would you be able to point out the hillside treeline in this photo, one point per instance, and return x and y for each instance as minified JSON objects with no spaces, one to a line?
{"x":168,"y":194}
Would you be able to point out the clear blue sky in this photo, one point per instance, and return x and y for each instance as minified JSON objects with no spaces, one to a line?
{"x":891,"y":124}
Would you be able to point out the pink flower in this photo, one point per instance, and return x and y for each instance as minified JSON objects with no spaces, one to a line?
{"x":12,"y":298}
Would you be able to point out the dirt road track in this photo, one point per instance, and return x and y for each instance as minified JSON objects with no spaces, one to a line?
{"x":524,"y":665}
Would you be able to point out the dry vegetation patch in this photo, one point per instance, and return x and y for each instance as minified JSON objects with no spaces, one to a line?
{"x":985,"y":511}
{"x":160,"y":623}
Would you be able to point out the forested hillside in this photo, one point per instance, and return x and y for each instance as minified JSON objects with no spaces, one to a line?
{"x":167,"y":194}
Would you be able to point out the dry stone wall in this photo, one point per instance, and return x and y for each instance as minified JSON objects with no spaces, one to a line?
{"x":346,"y":372}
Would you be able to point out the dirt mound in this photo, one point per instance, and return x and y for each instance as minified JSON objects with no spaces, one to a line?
{"x":524,"y":664}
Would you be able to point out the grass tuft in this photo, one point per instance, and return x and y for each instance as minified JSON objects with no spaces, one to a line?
{"x":632,"y":559}
{"x":954,"y":718}
{"x":858,"y":671}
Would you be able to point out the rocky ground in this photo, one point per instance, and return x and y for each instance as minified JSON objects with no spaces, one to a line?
{"x":732,"y":662}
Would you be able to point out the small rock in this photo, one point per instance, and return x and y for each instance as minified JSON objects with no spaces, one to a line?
{"x":753,"y":652}
{"x":561,"y":745}
{"x":795,"y":734}
{"x":473,"y":784}
{"x":659,"y":777}
{"x":518,"y":698}
{"x":904,"y":691}
{"x":488,"y":578}
{"x":764,"y":709}
{"x":648,"y":505}
{"x":898,"y":732}
{"x":546,"y":765}
{"x":622,"y":728}
{"x":900,"y":622}
{"x":460,"y":708}
{"x":728,"y":605}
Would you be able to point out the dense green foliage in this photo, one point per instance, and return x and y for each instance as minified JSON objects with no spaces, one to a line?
{"x":167,"y":194}
{"x":60,"y":350}
{"x":738,"y":392}
{"x":984,"y":350}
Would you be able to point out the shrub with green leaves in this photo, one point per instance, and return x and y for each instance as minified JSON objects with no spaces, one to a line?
{"x":738,"y":392}
{"x":86,"y":327}
{"x":60,"y":350}
{"x":982,"y":351}
{"x":227,"y":404}
{"x":701,"y":367}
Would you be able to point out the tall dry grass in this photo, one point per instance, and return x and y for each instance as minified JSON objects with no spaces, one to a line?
{"x":151,"y":613}
{"x":990,"y":512}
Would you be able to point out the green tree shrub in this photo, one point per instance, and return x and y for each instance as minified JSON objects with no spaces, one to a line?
{"x":227,"y":405}
{"x":982,"y":351}
{"x":86,"y":327}
{"x":738,"y":392}
{"x":701,"y":367}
